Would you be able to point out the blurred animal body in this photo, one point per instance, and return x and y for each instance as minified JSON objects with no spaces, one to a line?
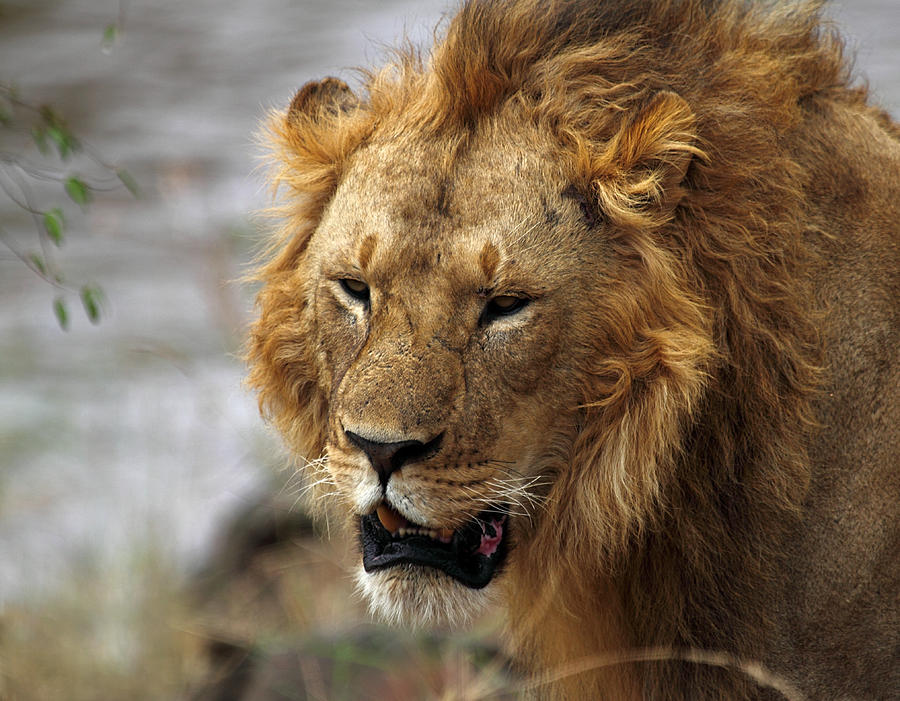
{"x":593,"y":315}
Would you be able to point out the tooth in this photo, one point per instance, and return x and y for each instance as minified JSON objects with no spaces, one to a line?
{"x":389,"y":518}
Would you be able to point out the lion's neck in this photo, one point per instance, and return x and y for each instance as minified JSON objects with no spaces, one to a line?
{"x":635,"y":634}
{"x":571,"y":639}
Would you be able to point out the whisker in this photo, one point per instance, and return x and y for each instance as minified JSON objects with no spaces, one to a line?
{"x":312,"y":485}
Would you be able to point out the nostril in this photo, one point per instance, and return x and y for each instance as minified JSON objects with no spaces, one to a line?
{"x":416,"y":450}
{"x":387,"y":458}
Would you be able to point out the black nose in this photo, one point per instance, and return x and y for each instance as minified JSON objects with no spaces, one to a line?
{"x":387,"y":458}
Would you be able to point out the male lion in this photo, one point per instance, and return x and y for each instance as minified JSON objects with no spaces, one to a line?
{"x":594,"y":314}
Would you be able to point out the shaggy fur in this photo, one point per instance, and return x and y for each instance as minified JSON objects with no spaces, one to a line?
{"x":703,"y":417}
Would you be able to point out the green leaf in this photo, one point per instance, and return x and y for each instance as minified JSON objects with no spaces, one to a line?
{"x":110,"y":34}
{"x":58,"y":137}
{"x":62,"y":313}
{"x":40,"y":139}
{"x":65,"y":141}
{"x":53,"y":223}
{"x":128,"y":181}
{"x":38,"y":263}
{"x":92,"y":299}
{"x":78,"y":190}
{"x":5,"y":116}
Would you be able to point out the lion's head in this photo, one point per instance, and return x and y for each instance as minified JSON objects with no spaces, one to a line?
{"x":462,"y":333}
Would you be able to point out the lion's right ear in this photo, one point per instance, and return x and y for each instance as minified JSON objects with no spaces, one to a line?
{"x":323,"y":99}
{"x":309,"y":146}
{"x":310,"y":142}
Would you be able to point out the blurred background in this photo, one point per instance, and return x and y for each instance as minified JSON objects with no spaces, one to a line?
{"x":151,"y":544}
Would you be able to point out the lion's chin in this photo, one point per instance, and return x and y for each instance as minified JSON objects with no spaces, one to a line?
{"x":415,"y":597}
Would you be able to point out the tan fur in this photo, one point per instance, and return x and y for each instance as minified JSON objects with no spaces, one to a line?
{"x":694,"y":423}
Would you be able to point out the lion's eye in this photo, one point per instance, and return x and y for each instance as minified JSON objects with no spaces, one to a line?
{"x":503,"y":305}
{"x":357,"y":289}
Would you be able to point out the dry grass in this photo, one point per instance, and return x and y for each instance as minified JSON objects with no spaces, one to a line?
{"x":276,"y":622}
{"x":103,"y":635}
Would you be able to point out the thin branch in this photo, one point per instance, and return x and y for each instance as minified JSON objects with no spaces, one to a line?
{"x":36,"y":214}
{"x":711,"y":658}
{"x":16,"y":201}
{"x":31,"y":266}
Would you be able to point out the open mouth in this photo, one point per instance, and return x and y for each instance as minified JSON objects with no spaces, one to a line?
{"x":470,"y":554}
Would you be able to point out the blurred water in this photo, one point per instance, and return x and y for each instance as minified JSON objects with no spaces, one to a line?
{"x":137,"y":430}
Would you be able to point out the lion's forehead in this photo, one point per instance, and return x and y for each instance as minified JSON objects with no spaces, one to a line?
{"x":411,"y":207}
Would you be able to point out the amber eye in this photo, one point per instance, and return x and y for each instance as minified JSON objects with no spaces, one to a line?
{"x":503,"y":305}
{"x":357,"y":289}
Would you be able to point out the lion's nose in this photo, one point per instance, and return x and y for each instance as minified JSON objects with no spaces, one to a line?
{"x":387,"y":458}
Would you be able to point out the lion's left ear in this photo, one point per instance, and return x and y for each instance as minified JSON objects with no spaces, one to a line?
{"x":638,"y":177}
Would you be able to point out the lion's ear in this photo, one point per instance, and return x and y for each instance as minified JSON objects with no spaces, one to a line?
{"x":639,"y":176}
{"x":310,"y":143}
{"x":322,"y":99}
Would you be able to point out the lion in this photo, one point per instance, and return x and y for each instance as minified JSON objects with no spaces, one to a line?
{"x":592,"y":314}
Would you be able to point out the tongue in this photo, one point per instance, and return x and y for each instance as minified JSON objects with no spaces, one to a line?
{"x":490,"y":543}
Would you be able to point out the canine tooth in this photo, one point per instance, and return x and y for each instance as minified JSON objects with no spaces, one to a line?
{"x":389,"y":518}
